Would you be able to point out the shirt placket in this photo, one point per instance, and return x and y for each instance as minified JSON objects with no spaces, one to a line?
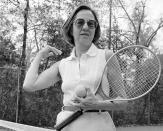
{"x":82,"y":67}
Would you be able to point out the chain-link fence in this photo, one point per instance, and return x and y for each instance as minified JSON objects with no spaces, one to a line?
{"x":40,"y":108}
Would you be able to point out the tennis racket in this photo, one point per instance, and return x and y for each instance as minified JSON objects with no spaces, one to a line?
{"x":129,"y":74}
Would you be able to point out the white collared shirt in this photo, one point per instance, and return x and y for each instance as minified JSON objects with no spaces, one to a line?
{"x":85,"y":71}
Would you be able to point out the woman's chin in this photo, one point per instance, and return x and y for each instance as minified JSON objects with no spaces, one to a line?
{"x":85,"y":41}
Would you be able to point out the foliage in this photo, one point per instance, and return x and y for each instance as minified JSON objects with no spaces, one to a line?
{"x":42,"y":106}
{"x":8,"y":55}
{"x":8,"y":93}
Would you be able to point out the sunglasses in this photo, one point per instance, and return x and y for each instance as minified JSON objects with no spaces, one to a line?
{"x":92,"y":24}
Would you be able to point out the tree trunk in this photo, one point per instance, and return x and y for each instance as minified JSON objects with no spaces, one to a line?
{"x":22,"y":66}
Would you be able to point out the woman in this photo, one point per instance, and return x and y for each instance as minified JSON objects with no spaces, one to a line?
{"x":82,"y":68}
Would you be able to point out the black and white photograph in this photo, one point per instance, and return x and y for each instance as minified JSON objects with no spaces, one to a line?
{"x":81,"y":65}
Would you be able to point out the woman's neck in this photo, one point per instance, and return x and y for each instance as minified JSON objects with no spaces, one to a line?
{"x":79,"y":50}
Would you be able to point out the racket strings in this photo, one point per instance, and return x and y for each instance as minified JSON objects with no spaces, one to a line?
{"x":146,"y":77}
{"x":114,"y":80}
{"x":130,"y":73}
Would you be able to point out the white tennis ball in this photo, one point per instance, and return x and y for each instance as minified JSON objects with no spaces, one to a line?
{"x":80,"y":91}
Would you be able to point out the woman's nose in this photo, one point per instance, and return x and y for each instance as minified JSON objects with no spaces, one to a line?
{"x":85,"y":26}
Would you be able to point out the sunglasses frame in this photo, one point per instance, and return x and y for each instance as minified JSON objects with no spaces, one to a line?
{"x":86,"y":21}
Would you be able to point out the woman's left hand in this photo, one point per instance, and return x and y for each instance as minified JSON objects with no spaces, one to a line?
{"x":88,"y":102}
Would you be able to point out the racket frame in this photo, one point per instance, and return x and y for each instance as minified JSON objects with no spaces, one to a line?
{"x":113,"y":55}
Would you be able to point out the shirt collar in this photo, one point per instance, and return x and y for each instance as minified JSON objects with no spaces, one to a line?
{"x":92,"y":51}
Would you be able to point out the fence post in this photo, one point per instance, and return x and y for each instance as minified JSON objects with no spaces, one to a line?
{"x":18,"y":94}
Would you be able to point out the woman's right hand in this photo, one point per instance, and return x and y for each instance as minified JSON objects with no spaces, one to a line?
{"x":48,"y":51}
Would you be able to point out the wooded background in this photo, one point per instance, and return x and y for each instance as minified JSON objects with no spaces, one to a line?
{"x":28,"y":25}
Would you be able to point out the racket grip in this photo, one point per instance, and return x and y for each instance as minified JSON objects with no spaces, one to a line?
{"x":71,"y":118}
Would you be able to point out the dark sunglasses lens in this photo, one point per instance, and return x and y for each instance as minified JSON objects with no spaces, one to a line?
{"x":80,"y":22}
{"x":92,"y":24}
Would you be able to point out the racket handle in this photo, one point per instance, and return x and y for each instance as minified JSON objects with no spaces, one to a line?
{"x":71,"y":118}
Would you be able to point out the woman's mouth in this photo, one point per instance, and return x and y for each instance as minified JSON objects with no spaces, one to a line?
{"x":84,"y":34}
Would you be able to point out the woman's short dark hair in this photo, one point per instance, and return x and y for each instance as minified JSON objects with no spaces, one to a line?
{"x":67,"y":27}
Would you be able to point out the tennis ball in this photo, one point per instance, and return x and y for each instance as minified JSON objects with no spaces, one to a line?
{"x":80,"y":91}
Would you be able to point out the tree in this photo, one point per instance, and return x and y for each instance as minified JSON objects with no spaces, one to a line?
{"x":138,"y":21}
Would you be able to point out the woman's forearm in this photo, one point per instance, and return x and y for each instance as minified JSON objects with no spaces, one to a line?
{"x":116,"y":105}
{"x":106,"y":105}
